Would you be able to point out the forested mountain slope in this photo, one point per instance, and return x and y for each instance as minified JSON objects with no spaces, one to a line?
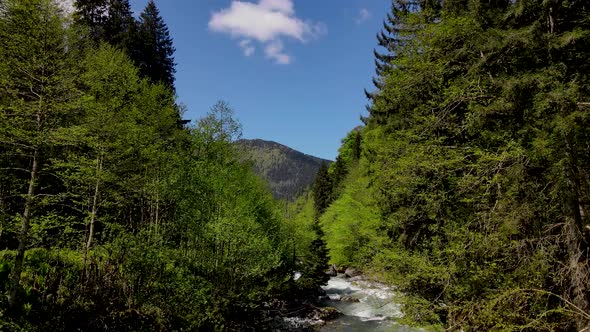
{"x":287,"y":171}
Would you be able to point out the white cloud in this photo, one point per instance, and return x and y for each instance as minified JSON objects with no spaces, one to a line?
{"x":267,"y":22}
{"x":247,"y":47}
{"x":364,"y":14}
{"x":284,"y":6}
{"x":274,"y":50}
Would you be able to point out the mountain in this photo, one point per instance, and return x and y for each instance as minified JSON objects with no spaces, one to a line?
{"x":288,"y":171}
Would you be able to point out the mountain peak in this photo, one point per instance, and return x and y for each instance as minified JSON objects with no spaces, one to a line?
{"x":288,"y":171}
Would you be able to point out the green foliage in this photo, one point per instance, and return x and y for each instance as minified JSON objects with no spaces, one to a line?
{"x":475,"y":166}
{"x":114,"y":217}
{"x":300,"y":215}
{"x":351,"y":222}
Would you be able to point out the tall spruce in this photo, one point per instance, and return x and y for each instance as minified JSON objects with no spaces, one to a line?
{"x":119,"y":27}
{"x":401,"y":23}
{"x":108,"y":21}
{"x":156,"y":51}
{"x":93,"y":15}
{"x":322,"y":189}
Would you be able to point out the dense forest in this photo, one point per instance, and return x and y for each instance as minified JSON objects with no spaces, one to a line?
{"x":468,"y":185}
{"x":115,"y":213}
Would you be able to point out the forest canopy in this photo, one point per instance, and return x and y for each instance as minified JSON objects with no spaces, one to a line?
{"x":473,"y":180}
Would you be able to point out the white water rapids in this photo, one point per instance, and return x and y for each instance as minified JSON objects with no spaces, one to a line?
{"x":376,"y":309}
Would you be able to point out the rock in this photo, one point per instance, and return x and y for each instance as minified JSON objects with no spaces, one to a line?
{"x":350,"y":272}
{"x":326,"y":313}
{"x":332,"y":272}
{"x":340,"y":269}
{"x":348,"y":298}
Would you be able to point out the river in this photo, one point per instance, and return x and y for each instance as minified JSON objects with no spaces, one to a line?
{"x":376,"y":309}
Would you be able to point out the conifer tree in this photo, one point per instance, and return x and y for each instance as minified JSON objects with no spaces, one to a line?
{"x":93,"y":15}
{"x":119,"y":27}
{"x":406,"y":17}
{"x":109,"y":21}
{"x":156,"y":52}
{"x":317,"y":262}
{"x":322,"y":190}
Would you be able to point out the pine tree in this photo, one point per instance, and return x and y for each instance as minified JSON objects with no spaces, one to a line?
{"x":317,"y":262}
{"x":406,"y":17}
{"x":93,"y":15}
{"x":481,"y":141}
{"x":322,"y":190}
{"x":156,"y":52}
{"x":109,"y":21}
{"x":119,"y":27}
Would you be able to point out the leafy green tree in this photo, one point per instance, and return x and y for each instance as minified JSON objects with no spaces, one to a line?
{"x":352,"y":221}
{"x":37,"y":76}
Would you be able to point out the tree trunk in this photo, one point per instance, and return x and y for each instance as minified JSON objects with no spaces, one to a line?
{"x":576,"y":237}
{"x":94,"y":205}
{"x":22,"y":240}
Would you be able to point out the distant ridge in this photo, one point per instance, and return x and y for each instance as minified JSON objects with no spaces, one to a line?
{"x":287,"y":171}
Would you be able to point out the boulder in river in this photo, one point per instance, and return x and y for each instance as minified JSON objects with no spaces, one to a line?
{"x":326,"y":313}
{"x":350,"y":272}
{"x":332,"y":272}
{"x":348,"y":298}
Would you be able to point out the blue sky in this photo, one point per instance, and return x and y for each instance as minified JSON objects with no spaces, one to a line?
{"x":292,"y":70}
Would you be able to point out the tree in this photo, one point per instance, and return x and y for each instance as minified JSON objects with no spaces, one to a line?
{"x":93,"y":15}
{"x":317,"y":261}
{"x":399,"y":27}
{"x":477,"y":164}
{"x":37,"y":76}
{"x":322,"y":190}
{"x":119,"y":26}
{"x":156,"y":52}
{"x":108,"y":21}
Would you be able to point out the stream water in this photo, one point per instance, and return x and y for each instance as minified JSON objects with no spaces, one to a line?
{"x":375,"y":310}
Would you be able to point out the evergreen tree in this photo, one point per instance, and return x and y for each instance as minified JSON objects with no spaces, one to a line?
{"x":475,"y":155}
{"x":108,"y":21}
{"x":317,"y":262}
{"x":156,"y":51}
{"x":92,"y":14}
{"x":322,"y":190}
{"x":399,"y":27}
{"x":120,"y":26}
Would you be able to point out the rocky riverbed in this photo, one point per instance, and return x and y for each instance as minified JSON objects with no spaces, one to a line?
{"x":351,"y":304}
